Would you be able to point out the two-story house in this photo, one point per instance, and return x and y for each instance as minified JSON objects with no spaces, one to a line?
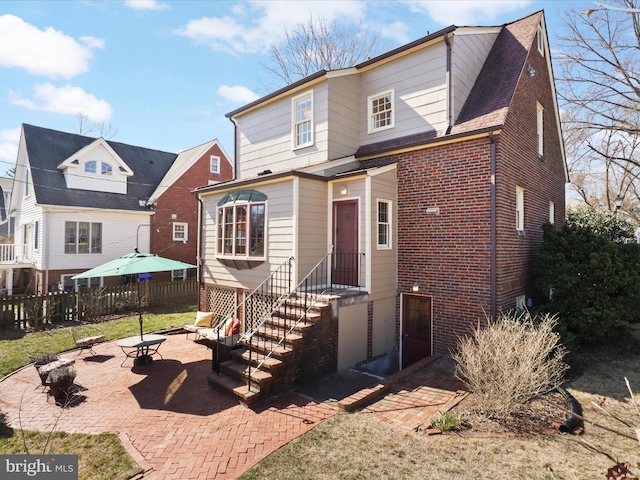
{"x":422,"y":176}
{"x":80,"y":201}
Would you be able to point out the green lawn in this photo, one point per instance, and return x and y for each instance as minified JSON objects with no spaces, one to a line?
{"x":100,"y":457}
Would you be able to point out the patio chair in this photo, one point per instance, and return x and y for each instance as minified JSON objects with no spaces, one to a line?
{"x":203,"y":320}
{"x":45,"y":363}
{"x":86,"y":337}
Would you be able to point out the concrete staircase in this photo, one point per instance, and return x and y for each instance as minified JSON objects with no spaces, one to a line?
{"x":266,"y":365}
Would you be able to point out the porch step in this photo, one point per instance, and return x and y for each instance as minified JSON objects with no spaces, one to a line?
{"x":274,"y":332}
{"x":297,"y":312}
{"x":241,"y":371}
{"x":256,"y":358}
{"x":301,"y":327}
{"x":235,"y":387}
{"x":264,"y":346}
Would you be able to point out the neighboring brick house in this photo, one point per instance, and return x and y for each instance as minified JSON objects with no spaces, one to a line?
{"x":425,"y":174}
{"x":79,"y":202}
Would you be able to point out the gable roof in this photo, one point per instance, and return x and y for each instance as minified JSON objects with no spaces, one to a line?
{"x":46,"y":149}
{"x":487,"y":105}
{"x":183,"y":162}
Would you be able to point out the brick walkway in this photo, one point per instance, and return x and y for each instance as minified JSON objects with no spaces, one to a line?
{"x":176,"y":427}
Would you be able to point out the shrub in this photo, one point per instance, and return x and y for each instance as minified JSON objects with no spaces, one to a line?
{"x":594,"y":282}
{"x":510,"y":361}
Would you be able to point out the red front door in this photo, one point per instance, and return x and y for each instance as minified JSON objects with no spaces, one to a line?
{"x":345,"y":243}
{"x":416,"y":329}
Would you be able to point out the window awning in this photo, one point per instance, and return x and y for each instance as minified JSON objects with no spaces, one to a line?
{"x":242,"y":196}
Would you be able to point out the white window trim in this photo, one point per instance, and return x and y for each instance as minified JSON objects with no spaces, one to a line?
{"x":540,"y":128}
{"x":552,"y":213}
{"x":216,"y":159}
{"x":540,"y":40}
{"x":186,"y":232}
{"x":520,"y":209}
{"x":220,"y":252}
{"x":179,"y":278}
{"x":94,"y":167}
{"x":389,"y":224}
{"x":294,"y":124}
{"x":370,"y":99}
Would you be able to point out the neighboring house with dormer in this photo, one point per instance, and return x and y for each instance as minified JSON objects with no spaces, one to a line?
{"x":80,"y":201}
{"x":410,"y":190}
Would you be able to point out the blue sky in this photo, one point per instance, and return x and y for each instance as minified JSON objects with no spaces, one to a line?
{"x":162,"y":74}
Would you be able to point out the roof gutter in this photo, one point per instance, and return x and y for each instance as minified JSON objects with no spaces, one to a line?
{"x":235,"y":147}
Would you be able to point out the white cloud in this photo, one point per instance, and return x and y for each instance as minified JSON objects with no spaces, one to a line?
{"x":47,"y":52}
{"x":9,"y":140}
{"x":465,"y":12}
{"x":93,"y":42}
{"x":262,"y":23}
{"x":66,"y":100}
{"x":146,"y":5}
{"x":10,"y":135}
{"x":237,"y":94}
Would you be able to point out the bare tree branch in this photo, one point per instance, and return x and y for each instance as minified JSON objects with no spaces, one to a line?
{"x":318,"y":44}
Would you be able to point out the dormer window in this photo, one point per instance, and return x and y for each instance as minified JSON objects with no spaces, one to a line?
{"x":106,"y":169}
{"x":90,"y":167}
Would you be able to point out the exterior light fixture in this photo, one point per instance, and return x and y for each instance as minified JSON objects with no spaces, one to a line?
{"x":343,"y":190}
{"x":415,"y":287}
{"x":531,"y":70}
{"x":618,"y":201}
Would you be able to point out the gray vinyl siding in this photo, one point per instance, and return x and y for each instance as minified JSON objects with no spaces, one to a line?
{"x":279,"y":235}
{"x":344,"y":116}
{"x":383,"y":262}
{"x":313,"y":241}
{"x":469,"y":52}
{"x":420,"y":93}
{"x":265,"y":136}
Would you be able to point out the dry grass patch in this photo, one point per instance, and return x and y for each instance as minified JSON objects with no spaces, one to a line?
{"x":517,"y":446}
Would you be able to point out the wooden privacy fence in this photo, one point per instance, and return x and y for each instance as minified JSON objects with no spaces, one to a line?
{"x":35,"y":311}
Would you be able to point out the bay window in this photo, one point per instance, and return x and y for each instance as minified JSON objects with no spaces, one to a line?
{"x":241,"y":225}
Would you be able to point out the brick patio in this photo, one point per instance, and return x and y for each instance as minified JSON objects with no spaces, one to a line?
{"x":175,"y":426}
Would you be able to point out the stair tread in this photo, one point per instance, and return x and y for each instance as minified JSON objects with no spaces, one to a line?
{"x":243,"y":370}
{"x":235,"y":385}
{"x":257,"y":358}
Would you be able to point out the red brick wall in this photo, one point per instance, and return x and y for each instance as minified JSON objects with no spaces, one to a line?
{"x":449,"y":254}
{"x":542,"y":179}
{"x":179,"y":201}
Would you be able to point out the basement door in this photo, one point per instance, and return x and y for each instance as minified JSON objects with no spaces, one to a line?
{"x":345,"y":243}
{"x":416,"y":328}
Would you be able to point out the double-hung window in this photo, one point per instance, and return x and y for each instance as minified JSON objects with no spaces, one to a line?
{"x":380,"y":111}
{"x":302,"y":106}
{"x":82,"y":237}
{"x":540,"y":129}
{"x":214,"y":164}
{"x":180,"y":232}
{"x":519,"y":209}
{"x":241,"y":225}
{"x":384,"y":224}
{"x":540,"y":40}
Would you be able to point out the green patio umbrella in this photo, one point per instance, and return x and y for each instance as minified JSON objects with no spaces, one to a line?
{"x":133,"y":264}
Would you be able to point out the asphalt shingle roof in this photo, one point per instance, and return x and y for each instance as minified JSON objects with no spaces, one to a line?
{"x":47,"y":149}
